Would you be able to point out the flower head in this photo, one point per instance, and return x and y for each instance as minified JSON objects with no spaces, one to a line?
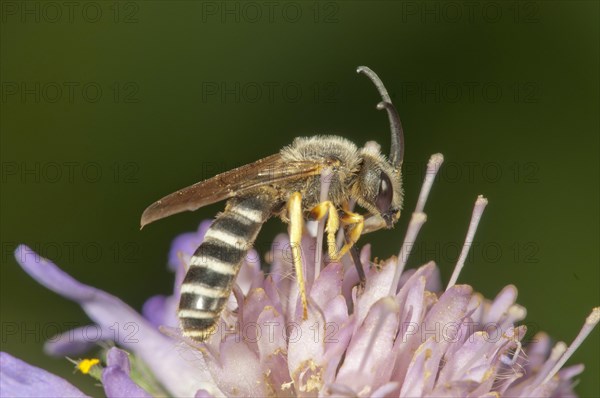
{"x":401,"y":334}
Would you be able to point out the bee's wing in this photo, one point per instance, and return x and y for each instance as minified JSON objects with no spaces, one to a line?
{"x":229,"y":184}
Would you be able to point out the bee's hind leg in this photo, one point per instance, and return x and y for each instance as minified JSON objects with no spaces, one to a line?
{"x":296,"y":225}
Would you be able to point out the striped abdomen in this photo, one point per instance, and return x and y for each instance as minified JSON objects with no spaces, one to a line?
{"x":215,"y":264}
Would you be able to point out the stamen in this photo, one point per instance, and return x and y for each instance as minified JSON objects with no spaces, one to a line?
{"x":507,"y":360}
{"x":325,"y":184}
{"x":388,"y":307}
{"x":416,"y":222}
{"x":590,"y":322}
{"x":480,"y":204}
{"x":557,"y":351}
{"x":435,"y":161}
{"x":85,"y":365}
{"x":90,"y":367}
{"x":514,"y":314}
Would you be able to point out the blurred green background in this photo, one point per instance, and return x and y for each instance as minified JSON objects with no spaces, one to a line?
{"x":107,"y":106}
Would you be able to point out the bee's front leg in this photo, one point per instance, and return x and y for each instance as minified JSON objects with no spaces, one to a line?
{"x":356,"y":223}
{"x":352,"y":234}
{"x":333,"y":224}
{"x":296,"y":225}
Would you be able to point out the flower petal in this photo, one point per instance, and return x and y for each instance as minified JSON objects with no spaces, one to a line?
{"x":281,"y":272}
{"x":115,"y":377}
{"x":306,"y":347}
{"x":377,"y":286}
{"x":203,"y":394}
{"x":252,"y":307}
{"x":499,"y":307}
{"x":19,"y":379}
{"x":179,"y":375}
{"x":118,"y":358}
{"x":186,"y":244}
{"x":328,"y":285}
{"x":369,"y":358}
{"x":272,"y":347}
{"x":154,"y":310}
{"x":239,"y":373}
{"x":423,"y":370}
{"x":77,"y":341}
{"x":250,"y":276}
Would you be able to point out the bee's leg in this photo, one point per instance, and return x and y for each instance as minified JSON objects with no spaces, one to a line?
{"x":296,"y":222}
{"x":331,"y":227}
{"x":358,"y":264}
{"x":354,"y":250}
{"x":357,"y":223}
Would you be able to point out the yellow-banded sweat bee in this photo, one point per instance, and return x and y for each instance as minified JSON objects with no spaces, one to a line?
{"x":287,"y":185}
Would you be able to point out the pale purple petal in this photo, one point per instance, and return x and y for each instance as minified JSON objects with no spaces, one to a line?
{"x":186,"y":244}
{"x":537,"y":352}
{"x":306,"y":350}
{"x":117,"y":384}
{"x":239,"y":373}
{"x":369,"y":358}
{"x":500,"y":305}
{"x":566,"y":384}
{"x":336,"y":318}
{"x":420,"y":376}
{"x":272,"y":293}
{"x":328,"y":285}
{"x":115,"y":377}
{"x":78,"y":341}
{"x":387,"y":390}
{"x":272,"y":347}
{"x":249,"y":312}
{"x":154,"y":310}
{"x":177,"y":374}
{"x":450,"y":309}
{"x":337,"y":338}
{"x":281,"y":272}
{"x":377,"y":286}
{"x":118,"y":358}
{"x":19,"y":379}
{"x":250,"y":275}
{"x":412,"y":299}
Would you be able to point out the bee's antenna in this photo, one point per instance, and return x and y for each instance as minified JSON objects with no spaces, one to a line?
{"x":397,"y":147}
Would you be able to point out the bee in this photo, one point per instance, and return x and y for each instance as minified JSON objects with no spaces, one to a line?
{"x":286,"y":185}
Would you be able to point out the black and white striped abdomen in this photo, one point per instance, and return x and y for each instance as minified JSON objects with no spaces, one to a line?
{"x":215,"y":264}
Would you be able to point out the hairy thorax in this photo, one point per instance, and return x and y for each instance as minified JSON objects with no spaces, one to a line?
{"x":337,"y":153}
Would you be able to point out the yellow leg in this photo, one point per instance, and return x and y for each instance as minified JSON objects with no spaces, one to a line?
{"x":296,"y":222}
{"x":358,"y":222}
{"x":333,"y":224}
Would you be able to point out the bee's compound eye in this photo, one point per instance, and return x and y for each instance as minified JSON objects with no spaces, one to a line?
{"x":386,"y":191}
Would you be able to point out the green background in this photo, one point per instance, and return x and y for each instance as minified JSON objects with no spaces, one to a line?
{"x":507,"y":91}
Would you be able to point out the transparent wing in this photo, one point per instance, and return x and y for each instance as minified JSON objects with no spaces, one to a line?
{"x":229,"y":184}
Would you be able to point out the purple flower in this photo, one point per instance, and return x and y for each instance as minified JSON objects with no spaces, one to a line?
{"x":20,"y":379}
{"x":401,"y":334}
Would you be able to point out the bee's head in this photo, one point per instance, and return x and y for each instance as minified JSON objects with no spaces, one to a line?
{"x":378,"y":186}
